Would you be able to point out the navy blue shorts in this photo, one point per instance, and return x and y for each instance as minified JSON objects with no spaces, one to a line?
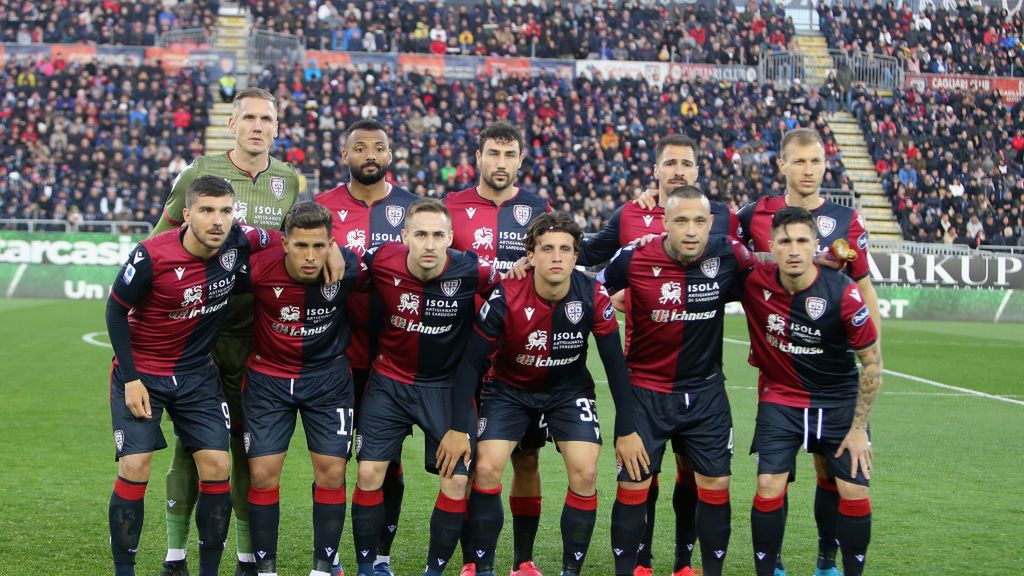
{"x":782,"y":430}
{"x":194,"y":402}
{"x":325,"y":401}
{"x":389,"y":411}
{"x":570,"y":413}
{"x":699,"y":423}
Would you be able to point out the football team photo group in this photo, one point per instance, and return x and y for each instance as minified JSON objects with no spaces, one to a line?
{"x":466,"y":320}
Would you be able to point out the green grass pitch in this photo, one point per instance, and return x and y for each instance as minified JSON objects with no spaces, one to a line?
{"x":947,"y":490}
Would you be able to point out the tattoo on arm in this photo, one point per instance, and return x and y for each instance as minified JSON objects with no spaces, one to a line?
{"x":870,"y":383}
{"x":764,"y":257}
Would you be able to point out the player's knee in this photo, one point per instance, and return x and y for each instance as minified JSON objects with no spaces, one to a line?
{"x":330,"y":474}
{"x":583,"y":478}
{"x":488,"y":472}
{"x":134,"y":467}
{"x":526,"y":462}
{"x":371,"y":475}
{"x":455,"y":487}
{"x":213,"y":464}
{"x":713,"y":482}
{"x":850,"y":491}
{"x":771,"y":485}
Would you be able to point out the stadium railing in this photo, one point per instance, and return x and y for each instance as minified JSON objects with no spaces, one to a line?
{"x":907,"y":247}
{"x":112,"y":226}
{"x":187,"y":38}
{"x":842,"y":197}
{"x":268,"y":48}
{"x":1002,"y":249}
{"x":876,"y":71}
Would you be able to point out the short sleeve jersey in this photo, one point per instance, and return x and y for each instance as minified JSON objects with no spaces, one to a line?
{"x":426,"y":324}
{"x":542,"y":345}
{"x":804,"y":343}
{"x":496,"y":233}
{"x":300,"y":328}
{"x":833,"y":221}
{"x":359,"y":227}
{"x":675,"y":313}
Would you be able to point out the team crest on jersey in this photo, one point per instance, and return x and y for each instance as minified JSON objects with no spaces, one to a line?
{"x":815,"y":307}
{"x":450,"y":287}
{"x":826,"y":225}
{"x":522,"y":213}
{"x":119,"y":439}
{"x":290,"y":314}
{"x":330,"y":291}
{"x":710,"y":267}
{"x":227,"y":259}
{"x":394,"y":214}
{"x":277,"y":186}
{"x":481,"y":425}
{"x":574,"y":311}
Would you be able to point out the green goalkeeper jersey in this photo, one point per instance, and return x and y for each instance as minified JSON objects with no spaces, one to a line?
{"x":260,"y":200}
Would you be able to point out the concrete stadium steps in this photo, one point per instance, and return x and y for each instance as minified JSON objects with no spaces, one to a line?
{"x":218,"y":137}
{"x":874,"y":205}
{"x":233,"y":26}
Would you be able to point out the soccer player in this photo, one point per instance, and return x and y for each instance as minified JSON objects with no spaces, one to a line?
{"x":369,"y":211}
{"x":265,"y":188}
{"x":163,"y":315}
{"x":428,"y":292}
{"x":491,"y":219}
{"x":806,"y":324}
{"x":675,"y":165}
{"x":675,"y":305}
{"x":298,"y":365}
{"x":537,"y":328}
{"x":802,"y":161}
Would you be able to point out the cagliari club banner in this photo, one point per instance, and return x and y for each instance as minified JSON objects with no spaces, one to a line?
{"x":1010,"y":89}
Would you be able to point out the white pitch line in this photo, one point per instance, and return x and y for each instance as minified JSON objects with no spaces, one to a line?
{"x":1002,"y":305}
{"x":90,"y":338}
{"x":967,"y":391}
{"x":16,"y":280}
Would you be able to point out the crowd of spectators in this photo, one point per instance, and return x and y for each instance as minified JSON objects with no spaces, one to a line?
{"x":88,"y":142}
{"x":589,"y":142}
{"x":117,"y":22}
{"x":951,"y":161}
{"x":969,"y":39}
{"x":630,"y":30}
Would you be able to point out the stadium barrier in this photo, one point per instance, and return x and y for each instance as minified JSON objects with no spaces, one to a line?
{"x":876,"y":71}
{"x":188,"y":38}
{"x":218,"y":62}
{"x":267,"y":48}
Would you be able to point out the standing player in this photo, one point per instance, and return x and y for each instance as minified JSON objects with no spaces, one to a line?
{"x":802,"y":161}
{"x":491,"y":219}
{"x":265,"y":188}
{"x":675,"y":165}
{"x":537,"y":329}
{"x":674,"y":324}
{"x":428,"y":292}
{"x":298,"y":364}
{"x":806,"y":325}
{"x":163,"y":315}
{"x":368,"y":211}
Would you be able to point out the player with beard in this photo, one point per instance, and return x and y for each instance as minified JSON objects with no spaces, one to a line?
{"x":491,"y":219}
{"x":368,"y":211}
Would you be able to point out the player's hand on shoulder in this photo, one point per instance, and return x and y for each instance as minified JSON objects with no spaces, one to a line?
{"x":630,"y":452}
{"x":453,"y":446}
{"x":518,"y":270}
{"x":136,"y":397}
{"x":648,"y":199}
{"x":334,"y":270}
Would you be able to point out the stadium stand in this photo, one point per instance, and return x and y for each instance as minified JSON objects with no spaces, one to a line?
{"x":87,"y":142}
{"x":677,"y":32}
{"x":116,"y":22}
